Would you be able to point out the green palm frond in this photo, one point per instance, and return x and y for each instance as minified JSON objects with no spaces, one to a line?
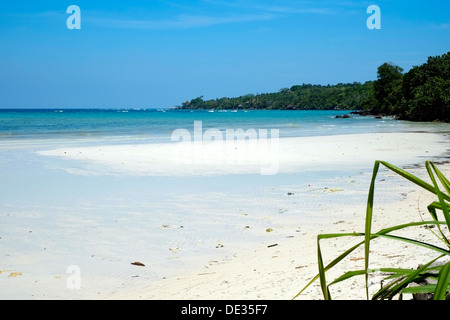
{"x":400,"y":280}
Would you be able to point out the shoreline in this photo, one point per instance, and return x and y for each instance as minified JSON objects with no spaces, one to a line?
{"x":189,"y":247}
{"x":280,"y":270}
{"x":256,"y":156}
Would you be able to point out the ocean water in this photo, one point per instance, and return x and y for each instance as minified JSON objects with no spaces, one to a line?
{"x":52,"y":218}
{"x":157,"y":125}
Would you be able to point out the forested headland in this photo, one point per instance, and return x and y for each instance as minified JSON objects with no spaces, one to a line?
{"x":421,"y":94}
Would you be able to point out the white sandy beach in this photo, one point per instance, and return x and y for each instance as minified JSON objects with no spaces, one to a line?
{"x":275,"y":261}
{"x":267,"y":157}
{"x":280,"y":269}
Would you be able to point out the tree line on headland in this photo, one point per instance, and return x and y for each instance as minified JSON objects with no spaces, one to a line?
{"x":421,"y":94}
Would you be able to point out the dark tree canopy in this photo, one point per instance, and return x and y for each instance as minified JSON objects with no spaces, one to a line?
{"x":299,"y":97}
{"x":388,"y":88}
{"x":426,"y":90}
{"x":421,"y":94}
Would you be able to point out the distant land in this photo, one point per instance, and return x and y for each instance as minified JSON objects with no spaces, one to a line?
{"x":421,"y":94}
{"x":299,"y":97}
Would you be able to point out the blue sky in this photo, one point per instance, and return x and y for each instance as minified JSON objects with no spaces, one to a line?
{"x":156,"y":54}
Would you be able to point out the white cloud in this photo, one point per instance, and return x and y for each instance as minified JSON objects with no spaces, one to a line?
{"x":217,"y":12}
{"x":284,"y":7}
{"x":183,"y":21}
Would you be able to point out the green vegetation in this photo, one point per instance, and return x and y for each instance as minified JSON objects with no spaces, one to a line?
{"x":299,"y":97}
{"x":421,"y":94}
{"x":432,"y":278}
{"x":388,"y":89}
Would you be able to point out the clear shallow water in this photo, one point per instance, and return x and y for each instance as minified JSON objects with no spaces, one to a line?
{"x":158,"y":125}
{"x":51,"y":219}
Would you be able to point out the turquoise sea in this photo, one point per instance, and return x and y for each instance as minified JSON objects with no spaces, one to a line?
{"x":156,"y":125}
{"x":53,"y":216}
